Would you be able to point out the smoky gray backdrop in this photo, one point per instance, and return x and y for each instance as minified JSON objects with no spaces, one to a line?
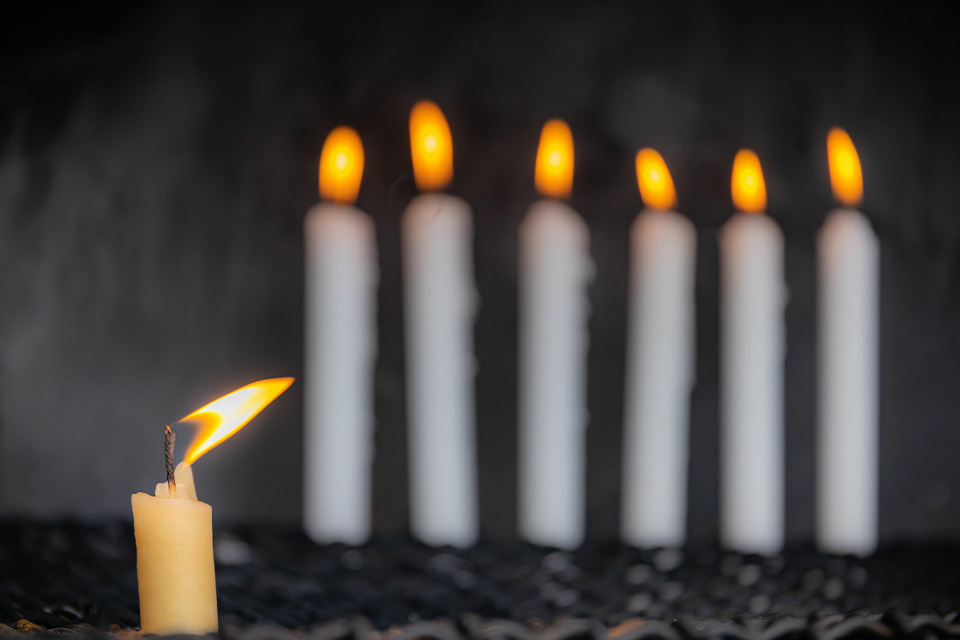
{"x":156,"y":164}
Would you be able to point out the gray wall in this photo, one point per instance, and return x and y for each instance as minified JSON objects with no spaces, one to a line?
{"x":155,"y":167}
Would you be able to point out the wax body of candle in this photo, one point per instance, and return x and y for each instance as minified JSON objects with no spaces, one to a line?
{"x":848,"y":254}
{"x":175,"y":573}
{"x":440,"y":303}
{"x":341,"y":283}
{"x":752,"y":299}
{"x":555,"y":267}
{"x":660,"y":375}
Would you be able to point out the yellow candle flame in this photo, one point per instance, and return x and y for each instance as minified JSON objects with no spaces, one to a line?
{"x":747,"y":185}
{"x":431,"y":147}
{"x":845,"y":175}
{"x":656,"y":185}
{"x":554,"y":169}
{"x":225,"y":416}
{"x":341,"y":166}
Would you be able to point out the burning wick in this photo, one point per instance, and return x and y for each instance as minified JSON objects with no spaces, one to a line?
{"x":169,"y":440}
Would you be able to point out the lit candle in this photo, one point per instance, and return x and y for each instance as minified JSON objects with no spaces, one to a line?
{"x":848,"y":258}
{"x":555,"y":268}
{"x":752,"y":298}
{"x":660,"y":363}
{"x":341,"y":302}
{"x":440,"y":303}
{"x":175,"y":575}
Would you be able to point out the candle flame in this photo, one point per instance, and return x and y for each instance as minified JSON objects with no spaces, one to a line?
{"x":431,"y":146}
{"x":341,"y":166}
{"x":656,"y":185}
{"x":225,"y":416}
{"x":554,"y":170}
{"x":747,"y":185}
{"x":845,"y":175}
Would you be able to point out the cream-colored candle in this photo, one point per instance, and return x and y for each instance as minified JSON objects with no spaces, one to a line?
{"x":174,"y":533}
{"x":175,"y":575}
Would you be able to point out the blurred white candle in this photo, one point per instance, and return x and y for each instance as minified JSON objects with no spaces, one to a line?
{"x":554,"y":270}
{"x":341,"y":300}
{"x":848,"y":257}
{"x":752,"y":298}
{"x":440,"y":303}
{"x":660,"y":363}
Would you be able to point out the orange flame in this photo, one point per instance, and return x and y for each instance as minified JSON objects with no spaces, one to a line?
{"x":225,"y":416}
{"x":554,"y":171}
{"x":656,"y":185}
{"x":341,"y":166}
{"x":845,"y":175}
{"x":431,"y":146}
{"x":747,"y":185}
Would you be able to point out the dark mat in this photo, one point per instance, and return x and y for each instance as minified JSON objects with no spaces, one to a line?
{"x":81,"y":578}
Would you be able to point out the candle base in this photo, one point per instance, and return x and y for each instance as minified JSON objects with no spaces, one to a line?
{"x":175,"y":572}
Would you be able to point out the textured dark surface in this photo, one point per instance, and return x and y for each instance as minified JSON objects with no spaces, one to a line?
{"x":70,"y":574}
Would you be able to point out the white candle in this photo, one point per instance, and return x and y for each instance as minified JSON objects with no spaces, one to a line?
{"x":341,"y":290}
{"x":660,"y":364}
{"x":848,"y":256}
{"x":440,"y":303}
{"x":752,"y":299}
{"x":554,"y":270}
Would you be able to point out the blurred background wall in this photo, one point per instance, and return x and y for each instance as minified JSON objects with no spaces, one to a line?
{"x":156,"y":163}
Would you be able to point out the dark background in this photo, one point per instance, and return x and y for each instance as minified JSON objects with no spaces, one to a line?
{"x":156,"y":164}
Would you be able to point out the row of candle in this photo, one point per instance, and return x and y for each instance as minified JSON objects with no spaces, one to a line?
{"x":554,"y":271}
